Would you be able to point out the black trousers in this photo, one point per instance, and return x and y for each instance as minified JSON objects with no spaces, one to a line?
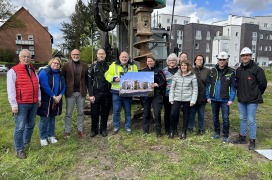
{"x":174,"y":117}
{"x":156,"y":102}
{"x":167,"y":113}
{"x":100,"y":108}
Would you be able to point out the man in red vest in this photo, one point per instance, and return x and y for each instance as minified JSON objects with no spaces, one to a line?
{"x":24,"y":98}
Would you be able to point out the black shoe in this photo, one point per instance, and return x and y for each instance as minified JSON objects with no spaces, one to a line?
{"x":183,"y":136}
{"x":21,"y":155}
{"x":190,"y":130}
{"x":158,"y":133}
{"x":252,"y":144}
{"x":93,"y":133}
{"x":171,"y":135}
{"x":104,"y":133}
{"x":240,"y":140}
{"x":200,"y":132}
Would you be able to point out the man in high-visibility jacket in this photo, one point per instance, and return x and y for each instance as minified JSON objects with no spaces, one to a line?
{"x":122,"y":65}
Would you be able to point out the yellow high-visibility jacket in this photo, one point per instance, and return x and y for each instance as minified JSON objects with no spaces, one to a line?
{"x":114,"y":71}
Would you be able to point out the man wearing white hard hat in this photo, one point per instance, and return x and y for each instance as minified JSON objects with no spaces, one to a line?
{"x":251,"y":84}
{"x":220,"y":93}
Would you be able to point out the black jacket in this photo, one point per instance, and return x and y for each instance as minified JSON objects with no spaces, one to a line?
{"x":201,"y":75}
{"x":96,"y":79}
{"x":251,"y":83}
{"x":159,"y":78}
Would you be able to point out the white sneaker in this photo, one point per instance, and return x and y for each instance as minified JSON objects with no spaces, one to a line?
{"x":52,"y":140}
{"x":44,"y":142}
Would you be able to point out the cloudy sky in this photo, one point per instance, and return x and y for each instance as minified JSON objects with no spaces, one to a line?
{"x":52,"y":13}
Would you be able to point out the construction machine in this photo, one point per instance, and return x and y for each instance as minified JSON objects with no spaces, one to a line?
{"x":132,"y":21}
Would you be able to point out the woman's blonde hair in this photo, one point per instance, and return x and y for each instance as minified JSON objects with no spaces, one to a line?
{"x":55,"y":58}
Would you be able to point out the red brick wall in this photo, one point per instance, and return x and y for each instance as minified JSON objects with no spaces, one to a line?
{"x":42,"y":38}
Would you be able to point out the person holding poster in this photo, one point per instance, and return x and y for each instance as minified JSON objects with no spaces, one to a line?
{"x":112,"y":75}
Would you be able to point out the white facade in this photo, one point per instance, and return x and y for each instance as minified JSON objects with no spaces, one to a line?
{"x":229,"y":42}
{"x":165,"y":20}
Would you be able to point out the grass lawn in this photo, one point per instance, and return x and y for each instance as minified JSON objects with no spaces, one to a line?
{"x":137,"y":156}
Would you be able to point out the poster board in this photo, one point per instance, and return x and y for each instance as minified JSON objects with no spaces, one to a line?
{"x":136,"y":84}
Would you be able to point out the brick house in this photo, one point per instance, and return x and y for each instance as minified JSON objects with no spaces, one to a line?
{"x":31,"y":35}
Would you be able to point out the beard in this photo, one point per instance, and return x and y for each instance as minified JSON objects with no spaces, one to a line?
{"x":76,"y":60}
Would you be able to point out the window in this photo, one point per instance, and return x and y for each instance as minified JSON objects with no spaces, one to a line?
{"x":260,"y":48}
{"x":186,"y":22}
{"x":225,"y":47}
{"x":269,"y":48}
{"x":261,"y":36}
{"x":198,"y":35}
{"x":270,"y":37}
{"x":168,"y":21}
{"x":208,"y":36}
{"x":196,"y":45}
{"x":236,"y":47}
{"x":19,"y":36}
{"x":265,"y":48}
{"x":265,"y":25}
{"x":253,"y":48}
{"x":237,"y":34}
{"x":175,"y":21}
{"x":30,"y":37}
{"x":179,"y":45}
{"x":207,"y":59}
{"x":266,"y":36}
{"x":31,"y":48}
{"x":254,"y":34}
{"x":207,"y":47}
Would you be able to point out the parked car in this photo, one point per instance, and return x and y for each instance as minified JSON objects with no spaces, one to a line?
{"x":209,"y":65}
{"x":42,"y":67}
{"x":3,"y":68}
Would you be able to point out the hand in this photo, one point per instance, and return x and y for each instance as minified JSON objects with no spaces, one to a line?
{"x":209,"y":101}
{"x":155,"y":85}
{"x":117,"y":80}
{"x":192,"y":104}
{"x":171,"y":102}
{"x":92,"y":99}
{"x":14,"y":109}
{"x":229,"y":103}
{"x":39,"y":103}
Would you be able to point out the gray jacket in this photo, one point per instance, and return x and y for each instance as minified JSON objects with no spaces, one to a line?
{"x":184,"y":88}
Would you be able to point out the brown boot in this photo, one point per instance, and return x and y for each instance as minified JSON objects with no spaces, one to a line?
{"x":252,"y":144}
{"x":240,"y":140}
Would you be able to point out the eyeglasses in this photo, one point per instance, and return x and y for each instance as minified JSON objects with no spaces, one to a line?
{"x":75,"y":54}
{"x":243,"y":55}
{"x":56,"y":63}
{"x":221,"y":59}
{"x":25,"y":57}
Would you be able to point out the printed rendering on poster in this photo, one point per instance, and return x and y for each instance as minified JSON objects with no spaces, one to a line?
{"x":136,"y":84}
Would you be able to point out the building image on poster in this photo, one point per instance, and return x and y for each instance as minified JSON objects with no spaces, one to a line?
{"x":136,"y":84}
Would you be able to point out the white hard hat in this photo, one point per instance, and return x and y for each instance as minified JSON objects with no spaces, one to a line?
{"x":245,"y":50}
{"x":222,"y":55}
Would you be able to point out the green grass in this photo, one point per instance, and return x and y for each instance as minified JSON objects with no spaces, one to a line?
{"x":137,"y":156}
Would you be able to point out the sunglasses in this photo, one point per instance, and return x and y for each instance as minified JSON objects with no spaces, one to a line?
{"x":243,"y":55}
{"x":221,"y":59}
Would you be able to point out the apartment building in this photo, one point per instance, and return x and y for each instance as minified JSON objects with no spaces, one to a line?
{"x":30,"y":35}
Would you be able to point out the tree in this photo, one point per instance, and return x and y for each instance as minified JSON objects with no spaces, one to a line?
{"x":6,"y":12}
{"x":78,"y":31}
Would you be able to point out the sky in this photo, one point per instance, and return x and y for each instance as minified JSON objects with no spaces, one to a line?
{"x":52,"y":13}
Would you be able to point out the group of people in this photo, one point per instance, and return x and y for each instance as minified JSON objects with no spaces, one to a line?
{"x":178,"y":87}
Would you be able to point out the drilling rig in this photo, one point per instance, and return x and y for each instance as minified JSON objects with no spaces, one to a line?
{"x":132,"y":19}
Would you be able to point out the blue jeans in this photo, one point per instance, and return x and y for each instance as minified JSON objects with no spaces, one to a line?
{"x":77,"y":99}
{"x":248,"y":114}
{"x":47,"y":127}
{"x":117,"y":103}
{"x":200,"y":110}
{"x":216,"y":105}
{"x":24,"y":125}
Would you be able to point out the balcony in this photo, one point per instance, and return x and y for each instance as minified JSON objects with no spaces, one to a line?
{"x":24,"y":42}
